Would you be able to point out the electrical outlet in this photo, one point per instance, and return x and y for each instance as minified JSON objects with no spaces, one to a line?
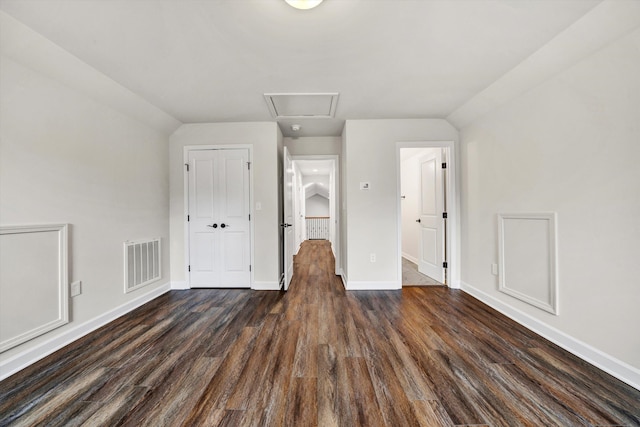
{"x":372,"y":257}
{"x":76,"y":288}
{"x":494,"y":269}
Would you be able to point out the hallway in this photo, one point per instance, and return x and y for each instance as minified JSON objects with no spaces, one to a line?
{"x":314,"y":356}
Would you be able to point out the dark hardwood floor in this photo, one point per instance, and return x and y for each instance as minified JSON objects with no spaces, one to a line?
{"x":315,"y":356}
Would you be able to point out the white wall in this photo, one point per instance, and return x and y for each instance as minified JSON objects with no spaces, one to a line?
{"x":372,"y":216}
{"x":68,"y":157}
{"x":264,"y":138}
{"x":317,"y":205}
{"x":571,"y":146}
{"x":314,"y":145}
{"x":299,"y":209}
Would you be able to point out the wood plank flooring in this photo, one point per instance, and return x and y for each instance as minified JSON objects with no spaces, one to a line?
{"x":315,"y":356}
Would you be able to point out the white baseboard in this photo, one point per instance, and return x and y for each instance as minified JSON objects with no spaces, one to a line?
{"x":28,"y":357}
{"x":619,"y":369}
{"x":265,"y":286}
{"x":372,"y":286}
{"x":454,"y":285}
{"x":179,"y":286}
{"x":343,"y":277}
{"x":410,"y":258}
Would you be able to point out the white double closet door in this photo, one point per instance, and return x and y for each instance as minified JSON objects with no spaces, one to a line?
{"x":219,"y":221}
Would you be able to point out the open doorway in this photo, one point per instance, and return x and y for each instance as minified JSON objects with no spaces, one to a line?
{"x":422,"y":207}
{"x":426,"y":208}
{"x":315,"y":200}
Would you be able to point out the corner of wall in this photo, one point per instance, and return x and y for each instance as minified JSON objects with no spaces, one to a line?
{"x":617,"y":368}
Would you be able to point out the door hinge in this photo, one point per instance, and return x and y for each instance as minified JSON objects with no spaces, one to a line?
{"x":444,"y":165}
{"x":249,"y":267}
{"x":189,"y":268}
{"x":187,"y":165}
{"x":444,"y":215}
{"x":444,"y":265}
{"x":249,"y":217}
{"x":249,"y":165}
{"x":187,"y":218}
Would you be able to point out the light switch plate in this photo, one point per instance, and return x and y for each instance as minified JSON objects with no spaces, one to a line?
{"x":76,"y":288}
{"x":494,"y":269}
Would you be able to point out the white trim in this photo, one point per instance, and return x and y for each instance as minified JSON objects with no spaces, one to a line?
{"x":409,"y":257}
{"x":343,"y":278}
{"x":453,"y":255}
{"x":62,"y":284}
{"x":372,"y":286}
{"x":551,"y":305}
{"x":185,"y":196}
{"x":265,"y":286}
{"x":619,"y":369}
{"x":179,"y":285}
{"x":28,"y":357}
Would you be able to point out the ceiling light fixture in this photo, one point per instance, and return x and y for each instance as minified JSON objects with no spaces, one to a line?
{"x":303,"y":4}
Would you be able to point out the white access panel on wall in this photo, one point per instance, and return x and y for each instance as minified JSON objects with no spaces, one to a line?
{"x":527,"y":256}
{"x":218,"y":219}
{"x":33,"y":282}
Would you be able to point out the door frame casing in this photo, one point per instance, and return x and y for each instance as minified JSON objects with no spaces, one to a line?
{"x":437,"y":272}
{"x":185,"y":160}
{"x":288,"y":176}
{"x":452,"y":252}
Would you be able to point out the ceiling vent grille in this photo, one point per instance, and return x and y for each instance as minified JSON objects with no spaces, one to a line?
{"x":302,"y":105}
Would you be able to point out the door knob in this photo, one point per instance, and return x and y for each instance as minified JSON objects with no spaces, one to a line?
{"x":285,"y":225}
{"x":418,"y":220}
{"x":223,"y":225}
{"x":213,"y":226}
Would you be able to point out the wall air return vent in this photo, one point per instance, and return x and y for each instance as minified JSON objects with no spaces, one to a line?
{"x":141,"y":263}
{"x":302,"y":105}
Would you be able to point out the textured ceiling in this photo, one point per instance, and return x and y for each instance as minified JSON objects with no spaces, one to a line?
{"x":212,"y":61}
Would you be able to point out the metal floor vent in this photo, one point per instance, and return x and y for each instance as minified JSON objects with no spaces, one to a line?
{"x":141,"y":263}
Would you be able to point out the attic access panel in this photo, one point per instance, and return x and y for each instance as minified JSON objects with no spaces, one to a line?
{"x":302,"y":105}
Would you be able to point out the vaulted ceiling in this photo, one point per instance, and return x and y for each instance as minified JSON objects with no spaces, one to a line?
{"x":213,"y":60}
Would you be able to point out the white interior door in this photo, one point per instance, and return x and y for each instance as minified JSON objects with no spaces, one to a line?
{"x":287,"y":224}
{"x":431,"y":221}
{"x":219,"y":223}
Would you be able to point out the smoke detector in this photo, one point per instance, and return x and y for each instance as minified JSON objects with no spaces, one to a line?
{"x":296,"y":128}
